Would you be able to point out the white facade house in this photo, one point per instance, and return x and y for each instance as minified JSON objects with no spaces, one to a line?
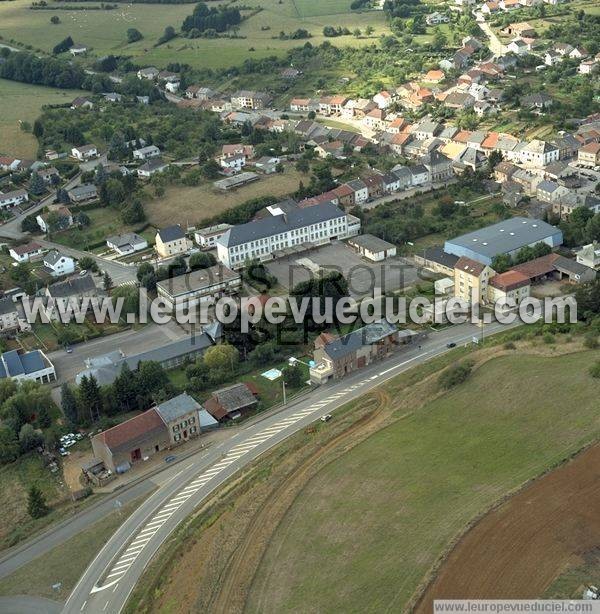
{"x":58,"y":264}
{"x":207,"y":238}
{"x":33,"y":366}
{"x":146,"y":153}
{"x":84,"y":152}
{"x":293,"y":227}
{"x":127,"y":243}
{"x":12,"y":199}
{"x":233,"y":163}
{"x":419,"y":175}
{"x":25,"y":253}
{"x":360,"y":189}
{"x":539,"y":153}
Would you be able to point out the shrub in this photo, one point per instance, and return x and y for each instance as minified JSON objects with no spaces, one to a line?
{"x":548,"y":338}
{"x":455,"y":374}
{"x":595,"y":370}
{"x":591,"y":341}
{"x":509,"y":345}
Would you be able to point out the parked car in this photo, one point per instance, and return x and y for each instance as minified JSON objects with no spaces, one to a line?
{"x":326,"y":418}
{"x":451,"y":344}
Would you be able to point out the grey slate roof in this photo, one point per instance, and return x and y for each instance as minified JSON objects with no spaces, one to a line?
{"x":235,"y":397}
{"x":108,"y":367}
{"x":371,"y":243}
{"x":52,"y":257}
{"x":171,"y":233}
{"x":7,"y":305}
{"x":369,"y":334}
{"x":438,"y":255}
{"x":73,"y":286}
{"x":269,"y":226}
{"x":12,"y":363}
{"x":177,"y":407}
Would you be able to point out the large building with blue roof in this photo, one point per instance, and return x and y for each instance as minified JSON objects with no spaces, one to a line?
{"x":34,"y":366}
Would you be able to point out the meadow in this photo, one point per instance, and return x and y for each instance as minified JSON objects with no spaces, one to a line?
{"x":105,"y":31}
{"x":190,"y":206}
{"x":21,"y":102}
{"x":399,"y":498}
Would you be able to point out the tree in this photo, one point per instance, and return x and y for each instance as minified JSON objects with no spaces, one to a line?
{"x":369,"y":30}
{"x":292,"y":375}
{"x":90,"y":397}
{"x":501,"y":263}
{"x":168,"y":35}
{"x":43,"y":418}
{"x":63,"y":46}
{"x":36,"y":184}
{"x":88,"y":263}
{"x":125,"y":389}
{"x":133,"y":213}
{"x":221,"y":358}
{"x":202,"y":260}
{"x":54,"y":20}
{"x":36,"y":502}
{"x":134,"y":35}
{"x":303,"y":166}
{"x":357,"y":33}
{"x":70,"y":405}
{"x":211,"y":169}
{"x":29,"y":438}
{"x":9,"y":446}
{"x":107,"y":281}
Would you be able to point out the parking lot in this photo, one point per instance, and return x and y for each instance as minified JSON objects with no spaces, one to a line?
{"x":362,"y":274}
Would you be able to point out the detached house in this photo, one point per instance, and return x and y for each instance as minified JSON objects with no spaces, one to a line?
{"x":171,"y":241}
{"x":57,"y":264}
{"x":25,"y":253}
{"x":588,"y":155}
{"x":84,"y":152}
{"x":13,"y":199}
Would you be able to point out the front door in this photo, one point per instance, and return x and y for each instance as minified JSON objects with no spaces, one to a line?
{"x":136,"y":455}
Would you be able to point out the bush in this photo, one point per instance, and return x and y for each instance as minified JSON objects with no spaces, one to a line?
{"x":455,"y":375}
{"x":548,"y":338}
{"x":591,"y":341}
{"x":595,"y":370}
{"x":509,"y":345}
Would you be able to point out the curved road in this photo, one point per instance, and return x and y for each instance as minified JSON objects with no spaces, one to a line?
{"x":108,"y":581}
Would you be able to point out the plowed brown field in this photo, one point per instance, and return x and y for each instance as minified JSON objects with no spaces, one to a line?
{"x":517,"y":550}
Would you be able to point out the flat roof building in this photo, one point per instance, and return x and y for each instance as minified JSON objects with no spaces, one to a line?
{"x":506,"y":237}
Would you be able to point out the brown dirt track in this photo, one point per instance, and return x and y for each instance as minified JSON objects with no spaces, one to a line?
{"x":518,"y":549}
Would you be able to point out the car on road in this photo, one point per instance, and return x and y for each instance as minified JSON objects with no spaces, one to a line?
{"x":451,"y":344}
{"x":326,"y":418}
{"x":68,"y":349}
{"x":170,"y":459}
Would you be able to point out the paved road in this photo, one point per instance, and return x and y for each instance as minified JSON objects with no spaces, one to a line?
{"x":494,"y":43}
{"x":25,"y":604}
{"x":130,"y":342}
{"x":119,"y":272}
{"x":112,"y":575}
{"x":12,"y":228}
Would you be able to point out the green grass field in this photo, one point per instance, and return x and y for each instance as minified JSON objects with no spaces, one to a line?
{"x":22,"y":102}
{"x":397,"y":500}
{"x":105,"y":31}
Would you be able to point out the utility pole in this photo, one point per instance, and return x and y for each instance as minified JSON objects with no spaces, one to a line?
{"x":284,"y":396}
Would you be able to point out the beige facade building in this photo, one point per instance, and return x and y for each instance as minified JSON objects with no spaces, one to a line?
{"x":171,"y":241}
{"x":471,"y":279}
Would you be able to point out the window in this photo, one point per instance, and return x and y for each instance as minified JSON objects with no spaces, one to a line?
{"x":176,"y":428}
{"x":177,"y":437}
{"x":192,"y":430}
{"x":192,"y":420}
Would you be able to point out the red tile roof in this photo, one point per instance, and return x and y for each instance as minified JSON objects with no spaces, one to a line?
{"x":538,"y":267}
{"x":511,"y":280}
{"x":469,"y":266}
{"x":132,"y":429}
